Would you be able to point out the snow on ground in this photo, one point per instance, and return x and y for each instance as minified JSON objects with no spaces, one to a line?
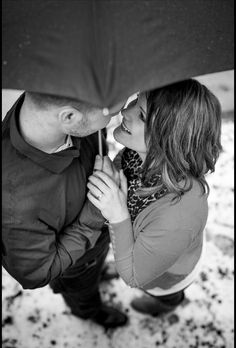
{"x":40,"y":319}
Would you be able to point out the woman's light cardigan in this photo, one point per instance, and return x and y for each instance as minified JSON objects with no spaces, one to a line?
{"x":165,"y":242}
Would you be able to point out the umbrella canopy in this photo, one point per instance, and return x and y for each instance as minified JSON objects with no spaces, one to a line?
{"x":104,"y":51}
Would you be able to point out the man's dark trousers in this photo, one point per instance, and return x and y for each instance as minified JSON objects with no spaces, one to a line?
{"x":79,"y":285}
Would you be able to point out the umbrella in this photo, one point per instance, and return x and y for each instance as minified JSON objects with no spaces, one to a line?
{"x":104,"y":51}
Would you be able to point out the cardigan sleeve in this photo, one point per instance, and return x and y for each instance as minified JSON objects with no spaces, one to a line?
{"x":157,"y":247}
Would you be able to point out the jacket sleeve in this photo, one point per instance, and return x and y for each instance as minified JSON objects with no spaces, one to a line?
{"x":34,"y":253}
{"x":156,"y":248}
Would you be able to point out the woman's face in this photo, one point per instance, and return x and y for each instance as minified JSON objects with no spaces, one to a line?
{"x":131,"y":131}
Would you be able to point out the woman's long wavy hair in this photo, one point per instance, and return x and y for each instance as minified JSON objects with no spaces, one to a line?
{"x":182,"y":134}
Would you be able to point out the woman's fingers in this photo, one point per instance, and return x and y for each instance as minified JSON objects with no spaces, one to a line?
{"x":94,"y":190}
{"x":104,"y":164}
{"x":110,"y":169}
{"x":107,"y":166}
{"x":108,"y":197}
{"x":94,"y":200}
{"x":98,"y":182}
{"x":98,"y":164}
{"x":100,"y":179}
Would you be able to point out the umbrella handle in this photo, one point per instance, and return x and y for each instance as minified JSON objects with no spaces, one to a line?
{"x":100,"y":142}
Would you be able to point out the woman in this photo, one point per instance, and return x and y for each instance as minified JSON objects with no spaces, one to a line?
{"x":158,"y":212}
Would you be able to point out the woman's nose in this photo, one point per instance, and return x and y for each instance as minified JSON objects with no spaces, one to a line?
{"x":128,"y":112}
{"x":131,"y":109}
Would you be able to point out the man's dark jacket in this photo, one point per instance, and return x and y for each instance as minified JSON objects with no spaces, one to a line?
{"x":46,"y":226}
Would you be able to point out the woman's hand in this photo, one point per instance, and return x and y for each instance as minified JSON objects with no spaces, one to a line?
{"x":108,"y":197}
{"x":105,"y":165}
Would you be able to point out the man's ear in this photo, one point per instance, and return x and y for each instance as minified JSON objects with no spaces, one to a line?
{"x":69,"y":115}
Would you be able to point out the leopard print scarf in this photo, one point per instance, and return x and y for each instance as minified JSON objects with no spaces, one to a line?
{"x":131,"y":164}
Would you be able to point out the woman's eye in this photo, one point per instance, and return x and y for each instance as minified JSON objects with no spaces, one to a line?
{"x":133,"y":102}
{"x":142,"y":117}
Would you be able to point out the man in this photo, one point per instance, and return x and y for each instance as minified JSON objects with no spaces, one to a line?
{"x":50,"y":235}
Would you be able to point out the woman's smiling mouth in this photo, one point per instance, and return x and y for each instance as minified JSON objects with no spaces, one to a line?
{"x":124,"y":128}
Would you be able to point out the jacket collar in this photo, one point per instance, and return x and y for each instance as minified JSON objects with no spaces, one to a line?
{"x":55,"y":162}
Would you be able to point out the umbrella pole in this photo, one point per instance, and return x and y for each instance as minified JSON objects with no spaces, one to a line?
{"x":100,"y":142}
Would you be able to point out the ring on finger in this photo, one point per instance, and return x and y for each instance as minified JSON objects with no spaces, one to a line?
{"x":100,"y":196}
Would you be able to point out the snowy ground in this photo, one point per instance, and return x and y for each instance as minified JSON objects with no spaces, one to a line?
{"x":40,"y":319}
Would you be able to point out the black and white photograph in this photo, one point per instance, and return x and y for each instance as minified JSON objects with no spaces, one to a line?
{"x":117,"y":173}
